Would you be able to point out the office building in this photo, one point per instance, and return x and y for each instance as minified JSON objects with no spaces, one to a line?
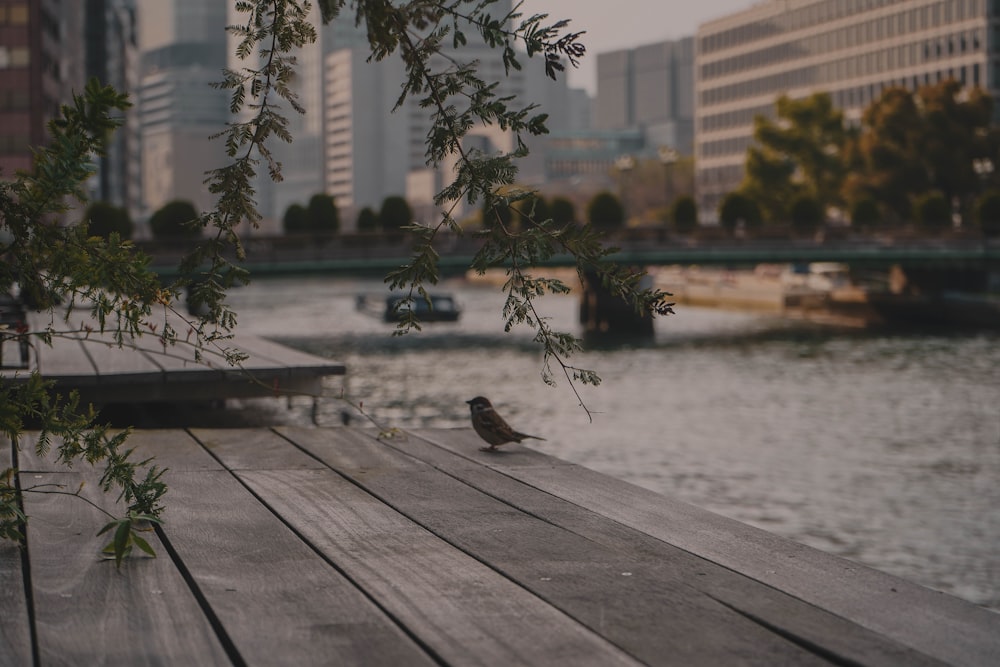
{"x":372,"y":153}
{"x":301,"y":159}
{"x":31,"y":82}
{"x":183,"y":51}
{"x":111,"y":56}
{"x":649,"y":88}
{"x":852,"y":49}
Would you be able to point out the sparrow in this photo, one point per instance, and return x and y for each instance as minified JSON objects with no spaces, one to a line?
{"x":491,"y":427}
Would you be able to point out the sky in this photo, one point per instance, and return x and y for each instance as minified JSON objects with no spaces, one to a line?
{"x":620,"y":24}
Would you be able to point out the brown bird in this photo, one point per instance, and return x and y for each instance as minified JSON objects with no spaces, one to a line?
{"x":491,"y":427}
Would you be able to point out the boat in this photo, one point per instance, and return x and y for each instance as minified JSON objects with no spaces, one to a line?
{"x":435,"y":308}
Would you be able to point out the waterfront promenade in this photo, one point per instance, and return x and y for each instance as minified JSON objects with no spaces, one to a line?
{"x":329,"y":546}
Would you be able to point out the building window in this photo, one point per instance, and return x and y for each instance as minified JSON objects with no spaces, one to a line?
{"x":17,"y":14}
{"x":14,"y":57}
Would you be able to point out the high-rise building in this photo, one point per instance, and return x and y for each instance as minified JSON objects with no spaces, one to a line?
{"x":372,"y":152}
{"x":301,"y":159}
{"x":31,"y":82}
{"x":649,"y":88}
{"x":852,"y":49}
{"x":183,"y":52}
{"x":367,"y":149}
{"x":111,"y":56}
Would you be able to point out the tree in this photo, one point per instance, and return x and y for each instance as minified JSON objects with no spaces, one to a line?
{"x":104,"y":219}
{"x":806,"y":215}
{"x":498,"y":212}
{"x":911,"y":143}
{"x":322,"y":214}
{"x":685,"y":215}
{"x":367,"y":220}
{"x":57,"y":261}
{"x":533,"y":208}
{"x":933,"y":212}
{"x":296,"y":219}
{"x":736,"y":208}
{"x":798,"y":153}
{"x":988,"y":213}
{"x":563,"y":212}
{"x":605,"y":212}
{"x":177,"y":219}
{"x":394,"y":214}
{"x":865,"y":214}
{"x":67,"y":264}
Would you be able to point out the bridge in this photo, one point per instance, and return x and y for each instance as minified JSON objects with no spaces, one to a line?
{"x":360,"y":255}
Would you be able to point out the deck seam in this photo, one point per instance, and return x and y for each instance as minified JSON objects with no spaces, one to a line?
{"x":29,"y":592}
{"x":459,"y":547}
{"x":431,"y":653}
{"x":805,"y":644}
{"x":228,"y":645}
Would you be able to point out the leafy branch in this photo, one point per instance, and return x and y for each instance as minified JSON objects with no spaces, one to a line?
{"x":459,"y":101}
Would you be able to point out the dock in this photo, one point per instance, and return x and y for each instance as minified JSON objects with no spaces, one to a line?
{"x":332,"y":546}
{"x":144,"y":370}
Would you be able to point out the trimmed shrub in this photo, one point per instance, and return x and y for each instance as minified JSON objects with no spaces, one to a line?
{"x":933,"y":212}
{"x":988,"y":213}
{"x":807,"y":215}
{"x":174,"y":221}
{"x":394,"y":214}
{"x":865,"y":213}
{"x":296,"y":220}
{"x":535,"y":207}
{"x":367,"y":220}
{"x":735,"y":207}
{"x":605,"y":211}
{"x":324,"y":218}
{"x":563,"y":212}
{"x":501,"y":209}
{"x":103,"y":219}
{"x":684,"y":215}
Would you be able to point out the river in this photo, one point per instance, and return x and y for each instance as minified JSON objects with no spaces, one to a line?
{"x":882,"y":448}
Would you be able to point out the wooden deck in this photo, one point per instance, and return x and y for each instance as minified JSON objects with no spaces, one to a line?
{"x":145,"y":371}
{"x":296,"y":546}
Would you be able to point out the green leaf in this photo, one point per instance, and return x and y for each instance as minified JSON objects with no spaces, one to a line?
{"x":143,"y":544}
{"x":121,"y":540}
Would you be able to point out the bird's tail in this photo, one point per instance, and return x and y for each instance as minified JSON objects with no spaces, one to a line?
{"x":525,"y":435}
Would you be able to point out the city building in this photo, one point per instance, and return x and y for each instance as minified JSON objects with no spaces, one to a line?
{"x":650,"y":88}
{"x":183,"y":52}
{"x":111,"y":56}
{"x":301,"y":159}
{"x":367,"y":151}
{"x":852,"y":49}
{"x":31,"y":82}
{"x":372,"y":152}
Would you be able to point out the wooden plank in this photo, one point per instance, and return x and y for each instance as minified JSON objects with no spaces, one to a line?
{"x":933,"y":623}
{"x":280,"y":602}
{"x":15,"y":630}
{"x":635,"y":604}
{"x":66,"y":361}
{"x":767,"y":606}
{"x":253,"y":449}
{"x":119,"y":365}
{"x":262,"y":349}
{"x":466,"y":613}
{"x":146,"y":371}
{"x":86,"y":611}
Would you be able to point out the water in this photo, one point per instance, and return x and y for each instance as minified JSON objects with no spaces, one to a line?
{"x":884,"y":449}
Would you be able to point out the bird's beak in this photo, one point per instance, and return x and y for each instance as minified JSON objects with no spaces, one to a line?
{"x":469,"y":401}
